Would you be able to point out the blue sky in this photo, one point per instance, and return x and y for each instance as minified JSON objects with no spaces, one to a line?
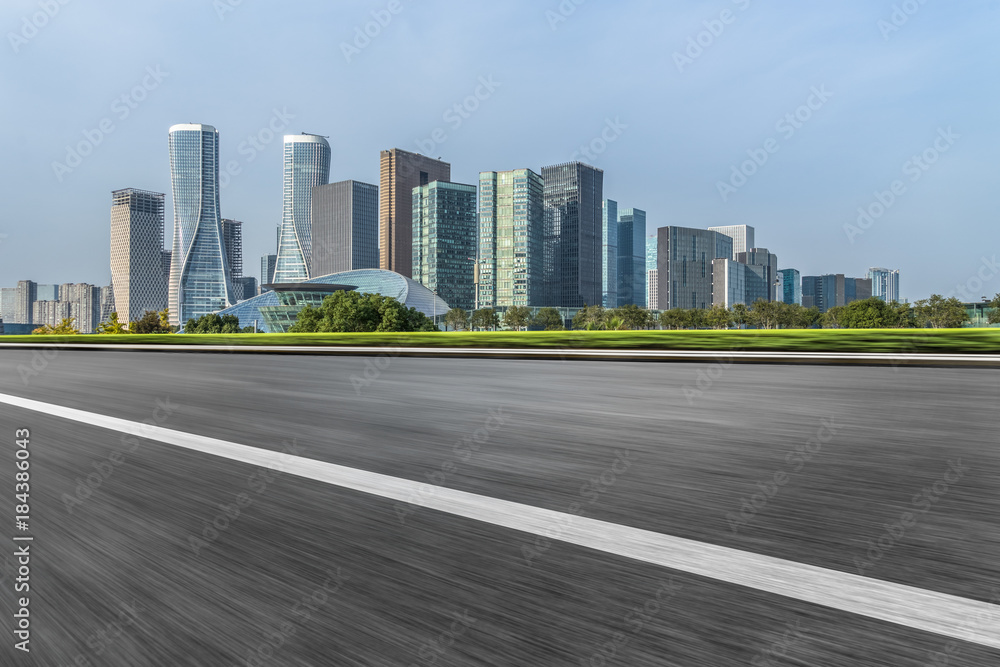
{"x":667,"y":97}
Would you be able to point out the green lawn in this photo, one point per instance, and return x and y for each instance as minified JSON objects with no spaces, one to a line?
{"x":971,"y":341}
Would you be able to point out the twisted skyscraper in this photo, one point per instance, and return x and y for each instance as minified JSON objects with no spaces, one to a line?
{"x":307,"y":164}
{"x":199,"y":282}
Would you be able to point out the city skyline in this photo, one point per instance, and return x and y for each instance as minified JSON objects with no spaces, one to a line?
{"x":889,"y":96}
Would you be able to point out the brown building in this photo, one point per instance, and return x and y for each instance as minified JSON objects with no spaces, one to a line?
{"x":400,"y":172}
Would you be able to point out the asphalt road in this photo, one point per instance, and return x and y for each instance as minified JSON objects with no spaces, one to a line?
{"x":672,"y":448}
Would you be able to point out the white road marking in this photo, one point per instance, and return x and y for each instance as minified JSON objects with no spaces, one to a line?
{"x":947,"y":615}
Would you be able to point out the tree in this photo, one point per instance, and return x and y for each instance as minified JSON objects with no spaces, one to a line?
{"x":741,"y":314}
{"x":485,"y":318}
{"x":213,"y":323}
{"x":872,"y":313}
{"x":549,"y":319}
{"x":349,"y":311}
{"x":994,"y":316}
{"x":150,"y":323}
{"x":112,"y":326}
{"x":696,"y":318}
{"x":719,"y":317}
{"x":831,"y":318}
{"x":517,"y":317}
{"x":632,"y":316}
{"x":64,"y":328}
{"x":794,"y":316}
{"x":766,"y":314}
{"x":589,"y":315}
{"x":457,"y":319}
{"x":675,"y":318}
{"x":940,"y":313}
{"x":615,"y":323}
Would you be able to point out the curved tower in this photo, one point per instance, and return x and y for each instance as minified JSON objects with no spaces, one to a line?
{"x":199,"y":273}
{"x":306,"y":164}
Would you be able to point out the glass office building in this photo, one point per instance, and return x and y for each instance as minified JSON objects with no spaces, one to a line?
{"x":768,"y":264}
{"x":742,"y":236}
{"x":684,"y":265}
{"x":344,"y":227}
{"x":574,"y":210}
{"x":632,"y":257}
{"x":609,"y":254}
{"x":790,"y":286}
{"x":511,"y":228}
{"x":306,"y":165}
{"x":282,"y":304}
{"x":444,"y":241}
{"x":199,"y":270}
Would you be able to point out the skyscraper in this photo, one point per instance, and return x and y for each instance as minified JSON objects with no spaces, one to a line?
{"x":652,"y":286}
{"x":137,"y":253}
{"x":684,"y":265}
{"x":267,"y":263}
{"x":885,"y":283}
{"x":574,"y":196}
{"x":742,"y":236}
{"x":444,"y":241}
{"x":609,"y":254}
{"x":198,"y":270}
{"x":833,"y":289}
{"x":632,"y":257}
{"x":344,"y":227}
{"x":27,"y":294}
{"x":767,"y":268}
{"x":791,"y":286}
{"x":400,"y":172}
{"x":84,"y":304}
{"x":511,"y":230}
{"x":306,"y":165}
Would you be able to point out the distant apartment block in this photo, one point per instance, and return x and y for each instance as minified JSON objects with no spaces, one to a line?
{"x":444,"y":241}
{"x":399,"y":172}
{"x":137,"y":253}
{"x":344,"y":227}
{"x":885,"y":284}
{"x":267,"y":264}
{"x":84,"y":303}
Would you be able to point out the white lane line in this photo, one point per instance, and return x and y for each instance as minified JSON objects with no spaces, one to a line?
{"x":947,"y":615}
{"x":738,"y":355}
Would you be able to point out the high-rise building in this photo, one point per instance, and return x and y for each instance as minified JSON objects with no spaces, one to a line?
{"x":511,"y":228}
{"x":652,"y":288}
{"x":27,"y":294}
{"x":107,"y":302}
{"x":245,"y":287}
{"x":574,"y":196}
{"x":47,"y":292}
{"x":306,"y":165}
{"x":267,"y":264}
{"x":344,"y":227}
{"x":232,"y":241}
{"x":885,"y":283}
{"x":84,"y":303}
{"x":399,"y":172}
{"x":49,"y":312}
{"x":742,"y":236}
{"x":165,"y":256}
{"x":444,"y":241}
{"x":684,"y":265}
{"x":790,"y":286}
{"x":737,"y":283}
{"x":8,"y":304}
{"x":137,"y":253}
{"x":632,"y":257}
{"x":609,"y":254}
{"x":768,"y":263}
{"x":199,"y":271}
{"x":833,"y":289}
